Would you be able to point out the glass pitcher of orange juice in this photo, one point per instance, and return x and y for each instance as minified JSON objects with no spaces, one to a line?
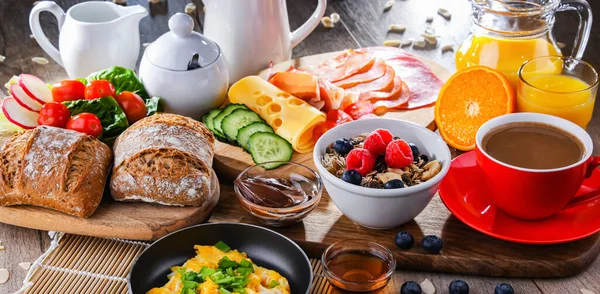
{"x":506,"y":33}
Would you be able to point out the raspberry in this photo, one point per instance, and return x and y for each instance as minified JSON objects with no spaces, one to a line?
{"x":360,"y":160}
{"x":398,"y":154}
{"x":377,"y":141}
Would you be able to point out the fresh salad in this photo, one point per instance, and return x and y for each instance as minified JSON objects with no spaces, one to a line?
{"x":102,"y":105}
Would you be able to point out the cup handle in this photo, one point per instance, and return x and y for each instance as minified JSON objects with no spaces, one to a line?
{"x":585,"y":24}
{"x":592,"y":193}
{"x":303,"y":31}
{"x":38,"y":33}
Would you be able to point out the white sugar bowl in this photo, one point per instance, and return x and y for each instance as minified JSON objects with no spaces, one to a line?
{"x":184,"y":68}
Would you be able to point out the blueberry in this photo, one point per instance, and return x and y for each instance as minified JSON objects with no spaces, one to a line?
{"x":432,"y":244}
{"x":394,"y":184}
{"x":342,"y":146}
{"x":415,"y":151}
{"x":424,"y":157}
{"x":458,"y":287}
{"x":404,"y":240}
{"x":352,"y":176}
{"x":410,"y":287}
{"x":504,"y":289}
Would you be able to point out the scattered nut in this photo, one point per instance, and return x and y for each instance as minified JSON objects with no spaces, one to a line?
{"x":396,"y":28}
{"x":585,"y":291}
{"x":427,"y":287}
{"x":326,"y":22}
{"x":190,"y":8}
{"x":420,"y":44}
{"x":406,"y":43}
{"x":431,"y":169}
{"x":4,"y":275}
{"x":429,"y":19}
{"x":388,"y":176}
{"x":392,"y":43}
{"x":335,"y":18}
{"x":430,"y":31}
{"x":447,"y":48}
{"x":388,"y":5}
{"x":2,"y":58}
{"x":430,"y":39}
{"x":445,"y":13}
{"x":25,"y":265}
{"x":40,"y":60}
{"x":561,"y":45}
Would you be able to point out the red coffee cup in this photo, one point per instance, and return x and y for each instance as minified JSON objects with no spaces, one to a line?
{"x":533,"y":194}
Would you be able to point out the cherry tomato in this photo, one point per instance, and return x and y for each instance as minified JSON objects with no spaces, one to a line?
{"x":99,"y":89}
{"x":54,"y":114}
{"x":86,"y":123}
{"x":67,"y":90}
{"x":133,"y":105}
{"x":321,"y":129}
{"x":338,"y":116}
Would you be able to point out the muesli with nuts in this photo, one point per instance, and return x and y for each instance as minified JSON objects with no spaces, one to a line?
{"x":379,"y":160}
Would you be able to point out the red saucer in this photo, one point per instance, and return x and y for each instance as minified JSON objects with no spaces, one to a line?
{"x":465,"y":196}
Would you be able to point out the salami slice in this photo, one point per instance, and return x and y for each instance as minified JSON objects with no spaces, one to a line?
{"x":375,"y":72}
{"x":384,"y":83}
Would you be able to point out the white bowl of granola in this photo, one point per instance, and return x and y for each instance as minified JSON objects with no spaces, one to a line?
{"x":392,"y":190}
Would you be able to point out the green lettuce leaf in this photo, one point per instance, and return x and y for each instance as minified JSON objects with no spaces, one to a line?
{"x":122,"y":79}
{"x":153,"y":105}
{"x":112,"y":117}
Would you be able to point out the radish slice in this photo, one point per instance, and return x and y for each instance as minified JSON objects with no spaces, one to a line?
{"x":25,"y":100}
{"x":18,"y":115}
{"x":35,"y":88}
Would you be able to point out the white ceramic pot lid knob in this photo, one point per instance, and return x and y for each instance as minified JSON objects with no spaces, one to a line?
{"x":182,"y":48}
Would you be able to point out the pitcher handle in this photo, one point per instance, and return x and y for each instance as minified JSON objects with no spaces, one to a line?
{"x":585,"y":24}
{"x":303,"y":31}
{"x":38,"y":33}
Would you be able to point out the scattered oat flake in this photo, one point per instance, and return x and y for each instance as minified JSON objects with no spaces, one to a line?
{"x":429,"y":31}
{"x":2,"y":58}
{"x":397,"y":28}
{"x":335,"y":18}
{"x":427,"y":287}
{"x":429,"y":19}
{"x":420,"y":44}
{"x":326,"y":21}
{"x":392,"y":43}
{"x":190,"y":8}
{"x":40,"y":60}
{"x":388,"y":5}
{"x":406,"y":43}
{"x":445,"y":13}
{"x":4,"y":275}
{"x":25,"y":265}
{"x":586,"y":291}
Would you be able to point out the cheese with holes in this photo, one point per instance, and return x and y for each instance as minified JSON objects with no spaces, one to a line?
{"x":293,"y":119}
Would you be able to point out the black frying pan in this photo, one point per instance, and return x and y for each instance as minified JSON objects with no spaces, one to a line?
{"x":265,"y":247}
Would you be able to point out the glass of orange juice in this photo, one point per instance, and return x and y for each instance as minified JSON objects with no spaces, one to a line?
{"x":559,"y":86}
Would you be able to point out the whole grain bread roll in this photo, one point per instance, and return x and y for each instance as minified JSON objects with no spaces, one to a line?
{"x":166,"y":159}
{"x":54,"y":168}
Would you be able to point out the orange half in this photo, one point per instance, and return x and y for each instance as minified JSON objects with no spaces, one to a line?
{"x":467,"y":100}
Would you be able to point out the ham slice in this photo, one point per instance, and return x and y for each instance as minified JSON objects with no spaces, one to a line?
{"x":382,"y":106}
{"x":384,"y":83}
{"x":343,"y":66}
{"x":380,"y":95}
{"x":375,"y":72}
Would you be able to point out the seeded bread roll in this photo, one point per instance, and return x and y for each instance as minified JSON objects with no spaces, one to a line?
{"x":165,"y":159}
{"x":54,"y":168}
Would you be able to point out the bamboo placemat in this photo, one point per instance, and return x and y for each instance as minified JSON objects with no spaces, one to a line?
{"x":82,"y":264}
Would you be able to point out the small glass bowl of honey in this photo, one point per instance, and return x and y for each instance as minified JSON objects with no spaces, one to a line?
{"x":278,"y":197}
{"x":358,"y":265}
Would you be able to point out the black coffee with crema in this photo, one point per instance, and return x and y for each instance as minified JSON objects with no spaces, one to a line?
{"x":533,"y":145}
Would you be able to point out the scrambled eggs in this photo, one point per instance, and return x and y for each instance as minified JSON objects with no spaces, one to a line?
{"x":260,"y":281}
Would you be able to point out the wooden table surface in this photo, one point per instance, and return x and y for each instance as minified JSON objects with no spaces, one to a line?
{"x":363,"y":23}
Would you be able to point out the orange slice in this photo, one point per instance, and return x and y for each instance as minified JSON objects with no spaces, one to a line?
{"x":467,"y":100}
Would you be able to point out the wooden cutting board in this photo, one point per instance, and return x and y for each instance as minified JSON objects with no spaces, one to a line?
{"x":466,"y":251}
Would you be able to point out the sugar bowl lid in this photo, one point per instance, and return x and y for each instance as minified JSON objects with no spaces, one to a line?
{"x":181,"y":48}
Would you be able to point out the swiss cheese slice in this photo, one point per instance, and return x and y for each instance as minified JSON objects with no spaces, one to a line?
{"x":293,"y":119}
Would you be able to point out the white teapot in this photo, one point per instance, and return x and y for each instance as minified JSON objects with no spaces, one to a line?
{"x":253,"y":33}
{"x":187,"y":70}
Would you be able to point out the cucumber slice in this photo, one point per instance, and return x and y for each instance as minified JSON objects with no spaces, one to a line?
{"x":244,"y":133}
{"x":208,"y":120}
{"x":225,"y":112}
{"x":266,"y":147}
{"x":238,"y":119}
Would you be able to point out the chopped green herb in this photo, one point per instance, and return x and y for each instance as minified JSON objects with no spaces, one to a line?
{"x":222,"y":246}
{"x":239,"y":290}
{"x":245,"y":263}
{"x":223,"y":291}
{"x":273,"y":284}
{"x":206,"y":271}
{"x":190,"y":284}
{"x":226,"y":263}
{"x":227,"y":280}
